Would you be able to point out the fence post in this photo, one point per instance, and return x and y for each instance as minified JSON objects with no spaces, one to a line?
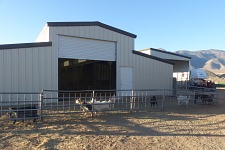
{"x":41,"y":104}
{"x":163,"y":99}
{"x":93,"y":105}
{"x":132,"y":101}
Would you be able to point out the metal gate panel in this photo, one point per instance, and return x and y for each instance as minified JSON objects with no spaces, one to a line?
{"x":81,"y":48}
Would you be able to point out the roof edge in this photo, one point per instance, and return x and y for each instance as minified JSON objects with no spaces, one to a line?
{"x":91,"y":23}
{"x":152,"y":57}
{"x":166,"y":52}
{"x":25,"y":45}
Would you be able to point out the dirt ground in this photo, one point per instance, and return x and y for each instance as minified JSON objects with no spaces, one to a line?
{"x":195,"y":127}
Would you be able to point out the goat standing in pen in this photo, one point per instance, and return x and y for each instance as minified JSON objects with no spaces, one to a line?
{"x":22,"y":113}
{"x":96,"y":106}
{"x":154,"y":101}
{"x":183,"y":99}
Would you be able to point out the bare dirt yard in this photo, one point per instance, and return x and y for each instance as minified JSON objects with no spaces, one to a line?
{"x":195,"y":127}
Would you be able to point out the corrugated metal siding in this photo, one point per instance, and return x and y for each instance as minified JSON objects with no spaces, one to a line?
{"x":26,"y":70}
{"x":181,"y":66}
{"x":1,"y":71}
{"x":80,"y":48}
{"x":152,"y":74}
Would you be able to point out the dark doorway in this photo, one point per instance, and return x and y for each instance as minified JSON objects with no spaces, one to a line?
{"x":78,"y":74}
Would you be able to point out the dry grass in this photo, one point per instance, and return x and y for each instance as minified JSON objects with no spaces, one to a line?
{"x":195,"y":127}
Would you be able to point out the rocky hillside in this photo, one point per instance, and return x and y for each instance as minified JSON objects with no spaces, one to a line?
{"x":213,"y":61}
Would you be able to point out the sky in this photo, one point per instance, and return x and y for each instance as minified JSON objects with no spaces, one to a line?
{"x":168,"y":24}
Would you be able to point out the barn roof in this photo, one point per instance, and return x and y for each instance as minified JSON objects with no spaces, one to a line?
{"x":93,"y":23}
{"x":152,"y":57}
{"x":25,"y":45}
{"x":171,"y":53}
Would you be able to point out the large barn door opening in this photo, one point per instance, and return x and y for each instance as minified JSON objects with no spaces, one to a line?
{"x":77,"y":74}
{"x":86,"y":64}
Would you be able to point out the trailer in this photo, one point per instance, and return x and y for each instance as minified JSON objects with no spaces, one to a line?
{"x":199,"y":79}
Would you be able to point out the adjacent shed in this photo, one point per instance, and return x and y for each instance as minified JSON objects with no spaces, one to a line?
{"x":181,"y":66}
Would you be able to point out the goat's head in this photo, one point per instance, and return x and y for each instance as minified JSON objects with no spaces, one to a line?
{"x":11,"y":114}
{"x":78,"y":101}
{"x":93,"y":100}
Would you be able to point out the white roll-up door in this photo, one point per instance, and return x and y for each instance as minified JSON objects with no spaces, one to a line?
{"x":80,"y":48}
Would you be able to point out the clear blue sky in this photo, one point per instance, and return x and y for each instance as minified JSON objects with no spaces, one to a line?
{"x":168,"y":24}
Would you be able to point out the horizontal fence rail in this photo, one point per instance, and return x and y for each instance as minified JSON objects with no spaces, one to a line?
{"x":24,"y":106}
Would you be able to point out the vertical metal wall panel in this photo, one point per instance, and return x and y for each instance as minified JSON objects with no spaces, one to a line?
{"x":126,"y":55}
{"x":42,"y":67}
{"x":23,"y":69}
{"x":92,"y":32}
{"x":145,"y":72}
{"x":48,"y":69}
{"x":28,"y":70}
{"x":130,"y":46}
{"x":121,"y":52}
{"x":65,"y":30}
{"x":35,"y":69}
{"x":54,"y":69}
{"x":7,"y":71}
{"x":2,"y":70}
{"x":15,"y":70}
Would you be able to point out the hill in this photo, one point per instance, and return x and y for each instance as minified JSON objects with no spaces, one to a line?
{"x":213,"y":61}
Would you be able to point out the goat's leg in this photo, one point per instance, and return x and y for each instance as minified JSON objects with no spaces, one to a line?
{"x":92,"y":114}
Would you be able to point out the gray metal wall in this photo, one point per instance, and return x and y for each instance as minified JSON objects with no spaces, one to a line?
{"x":26,"y":69}
{"x":148,"y":73}
{"x":152,"y":74}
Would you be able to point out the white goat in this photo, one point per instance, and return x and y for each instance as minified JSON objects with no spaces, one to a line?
{"x":96,"y":106}
{"x":102,"y":105}
{"x":183,"y":99}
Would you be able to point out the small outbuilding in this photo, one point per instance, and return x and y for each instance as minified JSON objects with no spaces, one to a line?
{"x":82,"y":56}
{"x":181,"y":68}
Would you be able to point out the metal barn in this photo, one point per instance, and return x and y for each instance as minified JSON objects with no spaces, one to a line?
{"x":81,"y":56}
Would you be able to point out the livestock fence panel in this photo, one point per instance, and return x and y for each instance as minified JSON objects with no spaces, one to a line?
{"x":23,"y":106}
{"x":20,"y":106}
{"x":57,"y":102}
{"x":199,"y":95}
